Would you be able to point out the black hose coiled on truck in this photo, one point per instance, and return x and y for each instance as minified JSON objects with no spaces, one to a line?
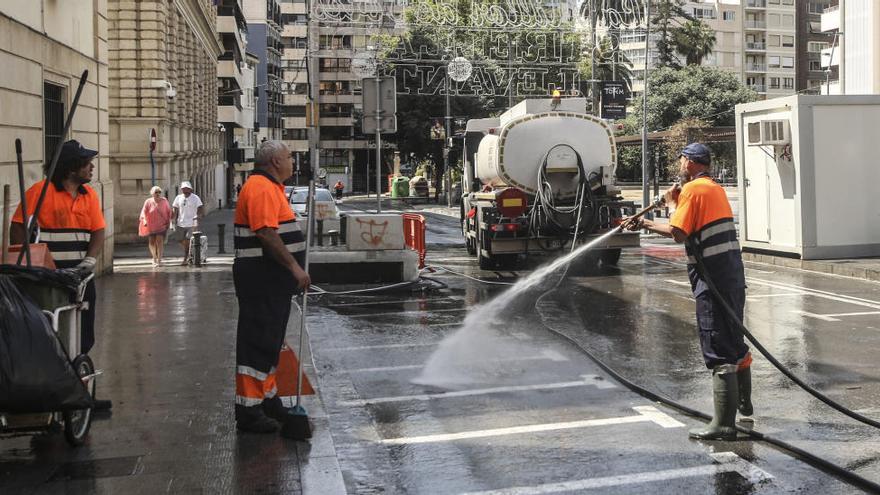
{"x":545,"y":212}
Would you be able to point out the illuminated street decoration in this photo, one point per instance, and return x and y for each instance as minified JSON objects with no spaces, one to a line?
{"x":520,"y":45}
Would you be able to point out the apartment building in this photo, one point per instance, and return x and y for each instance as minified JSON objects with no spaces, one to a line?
{"x":810,"y":41}
{"x":163,"y":76}
{"x":854,"y":54}
{"x":236,"y":101}
{"x":755,"y":39}
{"x":344,"y":152}
{"x":44,"y":49}
{"x":265,"y":24}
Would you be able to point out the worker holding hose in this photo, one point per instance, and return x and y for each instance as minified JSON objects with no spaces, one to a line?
{"x":267,"y":272}
{"x":703,"y":221}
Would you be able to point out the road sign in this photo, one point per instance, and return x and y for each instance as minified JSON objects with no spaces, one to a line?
{"x":613,"y":94}
{"x":386,"y":108}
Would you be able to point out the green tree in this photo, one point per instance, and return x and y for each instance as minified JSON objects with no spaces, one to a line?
{"x":665,"y":19}
{"x":611,"y":64}
{"x":695,"y":40}
{"x":693,"y":92}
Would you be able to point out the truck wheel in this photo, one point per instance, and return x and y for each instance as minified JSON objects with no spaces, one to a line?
{"x":610,"y":257}
{"x":506,"y":261}
{"x":471,"y":245}
{"x":486,"y":262}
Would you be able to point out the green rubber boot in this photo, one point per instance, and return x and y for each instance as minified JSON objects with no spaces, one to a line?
{"x":744,"y":383}
{"x":726,"y":394}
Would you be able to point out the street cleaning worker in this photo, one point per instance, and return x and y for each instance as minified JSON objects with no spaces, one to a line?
{"x":267,"y":273}
{"x":703,"y":221}
{"x":71,"y":223}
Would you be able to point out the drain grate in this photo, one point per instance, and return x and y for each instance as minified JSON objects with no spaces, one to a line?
{"x":99,"y":468}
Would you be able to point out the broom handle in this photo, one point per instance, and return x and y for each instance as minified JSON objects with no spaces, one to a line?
{"x":31,"y":222}
{"x":305,"y":294}
{"x":5,"y":243}
{"x":26,"y":242}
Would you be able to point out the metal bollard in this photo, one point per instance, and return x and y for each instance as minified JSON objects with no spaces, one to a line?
{"x":343,"y":223}
{"x":221,"y":238}
{"x":319,"y":232}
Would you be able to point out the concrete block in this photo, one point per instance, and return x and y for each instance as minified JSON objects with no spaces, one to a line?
{"x":370,"y":232}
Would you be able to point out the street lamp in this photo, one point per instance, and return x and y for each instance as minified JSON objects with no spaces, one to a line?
{"x":459,"y":70}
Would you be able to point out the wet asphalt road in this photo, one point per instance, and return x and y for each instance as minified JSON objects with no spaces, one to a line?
{"x":540,"y":417}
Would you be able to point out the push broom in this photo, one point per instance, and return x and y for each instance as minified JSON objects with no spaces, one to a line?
{"x":296,"y":425}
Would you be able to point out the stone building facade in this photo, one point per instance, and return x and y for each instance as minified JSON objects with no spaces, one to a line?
{"x":163,"y":76}
{"x":44,"y":47}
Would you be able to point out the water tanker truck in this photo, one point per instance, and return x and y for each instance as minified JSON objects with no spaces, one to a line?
{"x":537,"y":179}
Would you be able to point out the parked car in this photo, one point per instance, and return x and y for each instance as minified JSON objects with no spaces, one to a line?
{"x":325,"y":205}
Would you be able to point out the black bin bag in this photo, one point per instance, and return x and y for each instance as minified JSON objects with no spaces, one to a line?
{"x":35,"y":373}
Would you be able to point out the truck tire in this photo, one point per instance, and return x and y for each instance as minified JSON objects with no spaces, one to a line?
{"x":486,"y":262}
{"x":610,"y":257}
{"x":471,"y":245}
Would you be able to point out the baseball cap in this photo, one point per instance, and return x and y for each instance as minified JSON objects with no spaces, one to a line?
{"x":74,"y":150}
{"x":186,"y":185}
{"x":697,"y":152}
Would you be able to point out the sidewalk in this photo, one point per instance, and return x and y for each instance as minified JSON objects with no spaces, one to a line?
{"x":174,"y":252}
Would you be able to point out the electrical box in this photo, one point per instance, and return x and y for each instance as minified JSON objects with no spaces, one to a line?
{"x":372,"y":232}
{"x":807,"y":176}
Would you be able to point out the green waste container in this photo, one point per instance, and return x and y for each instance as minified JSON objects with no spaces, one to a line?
{"x":400,"y":187}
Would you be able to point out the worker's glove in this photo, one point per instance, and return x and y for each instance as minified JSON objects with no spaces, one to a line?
{"x":86,"y":266}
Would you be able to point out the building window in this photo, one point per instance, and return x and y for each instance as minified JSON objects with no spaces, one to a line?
{"x":774,"y":83}
{"x":293,"y":111}
{"x":334,"y":158}
{"x":787,"y":62}
{"x":330,"y":42}
{"x":773,"y":40}
{"x":815,"y":66}
{"x":817,"y":46}
{"x":701,"y":13}
{"x":335,"y":109}
{"x":788,"y":83}
{"x":295,"y":43}
{"x":787,"y":20}
{"x":336,"y":133}
{"x":787,"y":2}
{"x":53,"y":119}
{"x":335,"y":88}
{"x":295,"y":134}
{"x":819,"y":7}
{"x":335,"y":64}
{"x":788,"y":41}
{"x":294,"y":19}
{"x":773,"y":62}
{"x":729,"y":15}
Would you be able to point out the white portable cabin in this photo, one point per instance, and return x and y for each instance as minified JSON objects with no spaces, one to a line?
{"x":809,"y":173}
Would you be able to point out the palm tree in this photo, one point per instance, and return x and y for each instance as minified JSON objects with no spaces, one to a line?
{"x":695,"y":40}
{"x":611,"y":64}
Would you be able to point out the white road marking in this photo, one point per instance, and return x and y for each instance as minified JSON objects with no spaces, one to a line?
{"x":679,"y":282}
{"x":767,"y":296}
{"x":587,"y":380}
{"x":725,"y":462}
{"x":414,"y":311}
{"x":518,"y":430}
{"x":832,"y":296}
{"x":379,"y":346}
{"x":833,"y":316}
{"x":405,"y":301}
{"x":549,"y":355}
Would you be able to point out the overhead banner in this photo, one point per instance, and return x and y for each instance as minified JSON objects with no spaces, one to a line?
{"x":613,"y":99}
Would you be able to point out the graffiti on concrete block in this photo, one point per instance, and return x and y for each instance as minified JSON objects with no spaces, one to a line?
{"x":372,"y":232}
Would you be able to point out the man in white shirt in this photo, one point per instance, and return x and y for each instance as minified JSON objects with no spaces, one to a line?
{"x":186,"y":210}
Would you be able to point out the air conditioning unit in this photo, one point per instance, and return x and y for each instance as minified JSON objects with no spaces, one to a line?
{"x":769,"y":133}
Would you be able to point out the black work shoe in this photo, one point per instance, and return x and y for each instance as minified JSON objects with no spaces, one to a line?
{"x":275,"y":409}
{"x":254,"y":420}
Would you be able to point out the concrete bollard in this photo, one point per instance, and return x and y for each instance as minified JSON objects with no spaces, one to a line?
{"x":221,"y":238}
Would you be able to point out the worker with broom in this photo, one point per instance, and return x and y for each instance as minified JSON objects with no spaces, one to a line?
{"x":267,"y":272}
{"x":703,"y":220}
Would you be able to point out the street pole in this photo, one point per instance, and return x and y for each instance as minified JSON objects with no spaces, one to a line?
{"x":314,"y":96}
{"x":646,"y":193}
{"x":378,"y":142}
{"x":509,"y":73}
{"x":593,"y":22}
{"x":447,"y":183}
{"x":152,"y":168}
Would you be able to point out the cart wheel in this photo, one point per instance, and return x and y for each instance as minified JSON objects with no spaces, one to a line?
{"x":77,"y":423}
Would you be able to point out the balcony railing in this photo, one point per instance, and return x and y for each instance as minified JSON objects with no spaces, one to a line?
{"x":756,"y":4}
{"x":756,"y":24}
{"x":756,"y":67}
{"x":756,"y":46}
{"x":759,"y":88}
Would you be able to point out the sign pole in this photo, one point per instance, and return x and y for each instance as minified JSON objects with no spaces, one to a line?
{"x":646,"y":193}
{"x":378,"y":142}
{"x":152,"y":161}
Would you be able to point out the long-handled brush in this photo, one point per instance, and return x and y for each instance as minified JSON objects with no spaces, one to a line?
{"x":296,"y":425}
